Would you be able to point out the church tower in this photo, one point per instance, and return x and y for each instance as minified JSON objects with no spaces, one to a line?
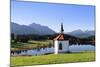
{"x":62,"y":28}
{"x":60,"y":44}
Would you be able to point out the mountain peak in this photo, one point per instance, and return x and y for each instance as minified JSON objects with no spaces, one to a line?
{"x":31,"y":29}
{"x":80,"y":33}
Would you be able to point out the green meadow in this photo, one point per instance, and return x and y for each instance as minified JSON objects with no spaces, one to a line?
{"x":30,"y":44}
{"x":85,"y":56}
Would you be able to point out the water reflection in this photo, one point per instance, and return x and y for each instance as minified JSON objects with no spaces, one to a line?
{"x":50,"y":49}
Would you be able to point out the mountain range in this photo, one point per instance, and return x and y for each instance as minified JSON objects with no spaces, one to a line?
{"x":31,"y":29}
{"x":44,"y":30}
{"x":81,"y":34}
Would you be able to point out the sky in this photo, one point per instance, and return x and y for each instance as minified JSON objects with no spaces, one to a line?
{"x":52,"y":15}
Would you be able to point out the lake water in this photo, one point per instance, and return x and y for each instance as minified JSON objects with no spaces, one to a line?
{"x":41,"y":51}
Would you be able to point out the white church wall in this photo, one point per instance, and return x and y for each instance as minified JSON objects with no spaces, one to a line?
{"x":65,"y":46}
{"x":56,"y":47}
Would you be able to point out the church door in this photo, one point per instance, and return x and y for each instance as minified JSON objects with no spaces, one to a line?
{"x":60,"y":46}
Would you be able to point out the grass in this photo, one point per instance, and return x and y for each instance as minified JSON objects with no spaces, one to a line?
{"x":53,"y":59}
{"x":30,"y":45}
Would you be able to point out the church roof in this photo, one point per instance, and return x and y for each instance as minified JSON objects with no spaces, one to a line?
{"x":59,"y":37}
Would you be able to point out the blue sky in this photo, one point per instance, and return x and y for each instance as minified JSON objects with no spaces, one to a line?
{"x":73,"y":16}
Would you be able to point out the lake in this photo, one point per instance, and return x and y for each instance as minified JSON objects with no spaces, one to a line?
{"x":41,"y":51}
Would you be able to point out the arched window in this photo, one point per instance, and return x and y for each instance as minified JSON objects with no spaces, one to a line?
{"x":60,"y":46}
